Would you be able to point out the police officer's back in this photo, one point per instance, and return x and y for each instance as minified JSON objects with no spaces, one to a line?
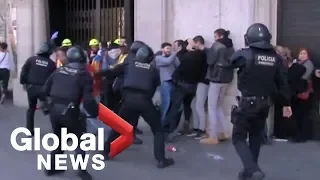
{"x":34,"y":74}
{"x":67,"y":86}
{"x":260,"y":69}
{"x":118,"y":83}
{"x":140,"y":82}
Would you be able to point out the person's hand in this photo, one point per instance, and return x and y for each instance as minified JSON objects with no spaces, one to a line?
{"x":317,"y":73}
{"x":287,"y":111}
{"x":100,"y":53}
{"x":54,"y":35}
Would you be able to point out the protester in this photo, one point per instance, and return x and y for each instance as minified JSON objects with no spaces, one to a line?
{"x":6,"y":65}
{"x":66,"y":43}
{"x":199,"y":113}
{"x":185,"y":79}
{"x":219,"y":77}
{"x":301,"y":103}
{"x":110,"y":59}
{"x":167,"y":63}
{"x":61,"y":56}
{"x":282,"y":125}
{"x":96,"y":66}
{"x":94,"y":48}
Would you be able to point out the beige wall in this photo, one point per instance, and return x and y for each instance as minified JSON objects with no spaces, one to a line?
{"x":162,"y":20}
{"x":157,"y":21}
{"x":31,"y":31}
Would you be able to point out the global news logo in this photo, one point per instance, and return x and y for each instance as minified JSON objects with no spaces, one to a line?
{"x":68,"y":142}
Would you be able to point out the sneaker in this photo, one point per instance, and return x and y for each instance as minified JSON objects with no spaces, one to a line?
{"x":192,"y":134}
{"x":209,"y":140}
{"x":53,"y":172}
{"x":3,"y":96}
{"x":222,"y":137}
{"x":200,"y":135}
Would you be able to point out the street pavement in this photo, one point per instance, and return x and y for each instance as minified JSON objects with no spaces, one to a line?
{"x":281,"y":161}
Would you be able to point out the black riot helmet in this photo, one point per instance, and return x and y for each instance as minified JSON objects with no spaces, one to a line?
{"x":135,"y":46}
{"x":144,"y":54}
{"x":76,"y":54}
{"x":257,"y":33}
{"x":45,"y":49}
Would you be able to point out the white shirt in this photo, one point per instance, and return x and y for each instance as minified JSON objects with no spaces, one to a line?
{"x":5,"y":61}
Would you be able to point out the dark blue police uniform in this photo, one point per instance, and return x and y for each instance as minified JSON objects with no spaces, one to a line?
{"x":140,"y":83}
{"x":260,"y":69}
{"x":34,"y":74}
{"x":66,"y":87}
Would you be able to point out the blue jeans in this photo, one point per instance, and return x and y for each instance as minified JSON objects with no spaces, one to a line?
{"x":165,"y":91}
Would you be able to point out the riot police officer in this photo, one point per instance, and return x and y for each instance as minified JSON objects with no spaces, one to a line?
{"x":64,"y":108}
{"x":140,"y":83}
{"x":118,"y":86}
{"x":34,"y":74}
{"x":260,"y":69}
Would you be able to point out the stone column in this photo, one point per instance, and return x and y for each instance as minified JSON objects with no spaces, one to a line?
{"x":266,"y":12}
{"x":150,"y":22}
{"x":24,"y":47}
{"x":39,"y":24}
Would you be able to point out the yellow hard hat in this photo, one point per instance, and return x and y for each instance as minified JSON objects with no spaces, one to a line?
{"x":94,"y":42}
{"x":117,"y":41}
{"x":66,"y":43}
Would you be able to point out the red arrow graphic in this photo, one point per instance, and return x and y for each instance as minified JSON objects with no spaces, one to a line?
{"x":121,"y":126}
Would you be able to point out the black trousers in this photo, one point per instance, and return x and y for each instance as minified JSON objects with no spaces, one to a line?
{"x":34,"y":93}
{"x":134,"y":105}
{"x":4,"y":77}
{"x":71,"y":120}
{"x":249,"y":120}
{"x":179,"y":96}
{"x":301,"y":121}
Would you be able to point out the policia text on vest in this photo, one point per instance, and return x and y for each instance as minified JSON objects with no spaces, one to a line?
{"x":87,"y":142}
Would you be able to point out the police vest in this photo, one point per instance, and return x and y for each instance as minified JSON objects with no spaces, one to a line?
{"x":65,"y":84}
{"x":259,"y":74}
{"x":140,"y":76}
{"x":121,"y":58}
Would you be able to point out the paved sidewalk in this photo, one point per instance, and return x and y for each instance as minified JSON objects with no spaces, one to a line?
{"x":282,"y":161}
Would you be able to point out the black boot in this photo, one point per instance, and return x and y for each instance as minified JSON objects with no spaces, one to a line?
{"x":243,"y":175}
{"x":53,"y":172}
{"x":258,"y":175}
{"x":137,"y":140}
{"x":165,"y":163}
{"x":84,"y":175}
{"x":138,"y":131}
{"x":267,"y":140}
